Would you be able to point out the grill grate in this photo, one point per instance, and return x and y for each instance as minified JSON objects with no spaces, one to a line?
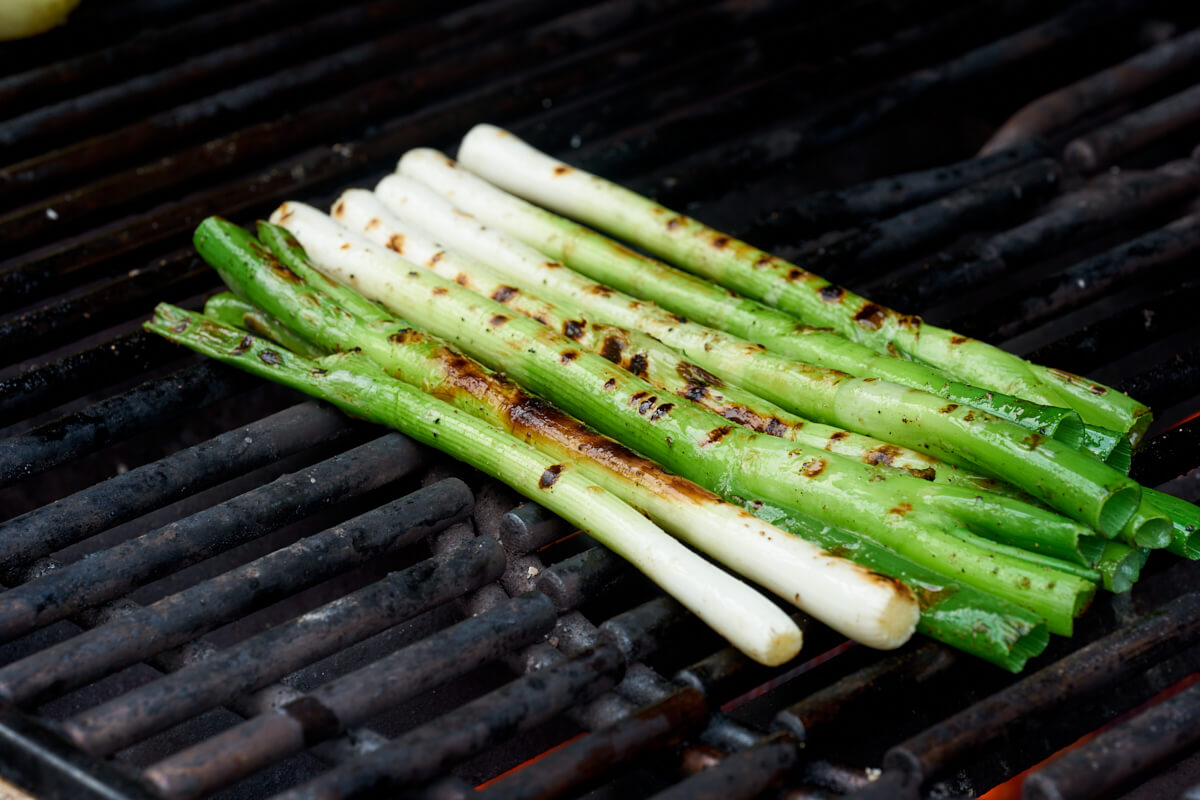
{"x":266,"y":597}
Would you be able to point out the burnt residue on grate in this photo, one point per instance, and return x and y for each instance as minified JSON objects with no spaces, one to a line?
{"x":376,"y":617}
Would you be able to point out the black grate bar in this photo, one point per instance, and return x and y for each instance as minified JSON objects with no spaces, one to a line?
{"x":1062,"y":291}
{"x":657,"y":726}
{"x":47,"y":385}
{"x":1167,"y":730}
{"x":175,"y":619}
{"x":121,"y":498}
{"x":86,"y":431}
{"x":1124,"y":653}
{"x":353,"y":698}
{"x":1103,"y":147}
{"x":532,"y":699}
{"x":284,"y":648}
{"x":1108,"y":200}
{"x":112,"y":572}
{"x":745,"y":774}
{"x":886,"y":197}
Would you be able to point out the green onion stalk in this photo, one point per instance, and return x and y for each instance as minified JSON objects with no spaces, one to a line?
{"x":746,"y":618}
{"x":925,"y":522}
{"x":955,"y":612}
{"x":870,"y":609}
{"x":876,"y":408}
{"x":516,"y":167}
{"x":613,"y":264}
{"x":643,"y":355}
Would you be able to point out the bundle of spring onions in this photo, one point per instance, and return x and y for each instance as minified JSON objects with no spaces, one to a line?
{"x":879,"y":473}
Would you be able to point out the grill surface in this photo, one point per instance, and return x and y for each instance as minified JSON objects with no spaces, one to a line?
{"x":217,"y":587}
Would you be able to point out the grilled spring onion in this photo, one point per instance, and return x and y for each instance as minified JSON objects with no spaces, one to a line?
{"x":867,"y":607}
{"x":365,"y":213}
{"x":610,"y":263}
{"x":515,"y":166}
{"x":918,"y":519}
{"x":880,"y":409}
{"x":751,"y":622}
{"x":994,"y":629}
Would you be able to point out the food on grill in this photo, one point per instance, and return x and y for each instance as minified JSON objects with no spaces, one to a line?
{"x":515,"y":166}
{"x":832,"y":441}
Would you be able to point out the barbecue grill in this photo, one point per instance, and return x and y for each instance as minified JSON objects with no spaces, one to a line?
{"x":214,"y":587}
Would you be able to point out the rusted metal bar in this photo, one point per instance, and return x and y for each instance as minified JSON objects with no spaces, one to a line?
{"x":42,"y":531}
{"x":426,"y":751}
{"x":47,"y":385}
{"x":745,"y":774}
{"x":989,"y":201}
{"x":1109,"y":660}
{"x":112,"y":572}
{"x":284,"y":648}
{"x":1169,"y":729}
{"x":542,"y":70}
{"x":353,"y":698}
{"x":886,"y":197}
{"x":1060,"y":108}
{"x":810,"y":717}
{"x":657,"y":726}
{"x":1063,"y":291}
{"x":184,"y":616}
{"x":1108,"y":200}
{"x":85,"y":431}
{"x":1100,"y":148}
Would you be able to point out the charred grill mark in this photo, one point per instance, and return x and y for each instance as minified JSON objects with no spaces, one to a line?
{"x":1033,"y":441}
{"x":926,"y":474}
{"x":812,"y":469}
{"x":957,"y":339}
{"x":637,"y":365}
{"x":909,"y":321}
{"x":796,"y":274}
{"x":1070,"y":377}
{"x":720,"y":242}
{"x":437,"y":290}
{"x":697,"y":375}
{"x":372,"y":224}
{"x":245,"y":344}
{"x":317,"y":372}
{"x":948,"y":408}
{"x":406,"y":336}
{"x":339,"y":208}
{"x":836,"y":436}
{"x":612,"y":348}
{"x":396,"y":242}
{"x":344,"y":246}
{"x":969,"y":416}
{"x":181,"y":326}
{"x":550,"y":476}
{"x":694,"y":391}
{"x":497,"y":320}
{"x":462,"y":280}
{"x":610,"y":384}
{"x":286,"y":213}
{"x":883,"y":455}
{"x":831,"y":293}
{"x":716,"y":435}
{"x":561,"y":170}
{"x":775,"y":427}
{"x":552,"y":264}
{"x":574,"y":328}
{"x":871,"y":317}
{"x":901,"y":509}
{"x":764,"y":261}
{"x":568,"y":356}
{"x":636,"y":398}
{"x":270,"y":357}
{"x":504,"y":293}
{"x":647,"y":404}
{"x":598,"y":289}
{"x":661,"y":411}
{"x":435,"y":258}
{"x":676,"y":222}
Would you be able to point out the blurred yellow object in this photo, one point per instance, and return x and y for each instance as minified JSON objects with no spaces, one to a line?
{"x":21,"y":18}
